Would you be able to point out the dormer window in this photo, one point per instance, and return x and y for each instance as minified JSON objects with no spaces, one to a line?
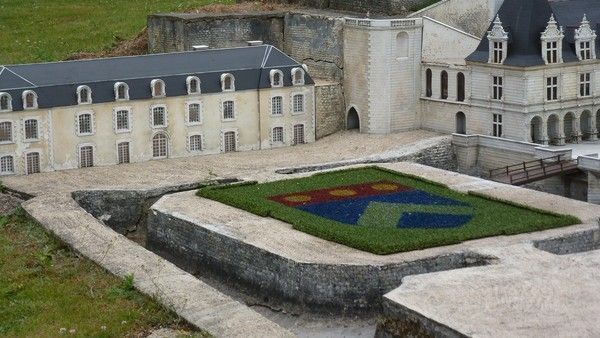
{"x":298,"y":76}
{"x":552,"y":42}
{"x":5,"y":102}
{"x":276,"y":78}
{"x":30,"y":100}
{"x":121,"y":91}
{"x":84,"y":95}
{"x":227,"y":82}
{"x":158,"y":88}
{"x":585,"y":41}
{"x":193,"y":85}
{"x":498,"y":39}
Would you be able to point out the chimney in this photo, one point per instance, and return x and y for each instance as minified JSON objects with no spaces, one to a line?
{"x":255,"y":43}
{"x":199,"y":47}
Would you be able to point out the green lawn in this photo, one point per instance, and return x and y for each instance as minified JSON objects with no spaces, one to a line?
{"x":44,"y":287}
{"x":419,"y":215}
{"x":44,"y":30}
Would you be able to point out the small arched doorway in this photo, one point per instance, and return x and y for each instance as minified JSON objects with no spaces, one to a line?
{"x":553,"y":129}
{"x":536,"y":130}
{"x":461,"y":123}
{"x":569,"y":130}
{"x":352,"y":121}
{"x":586,"y":124}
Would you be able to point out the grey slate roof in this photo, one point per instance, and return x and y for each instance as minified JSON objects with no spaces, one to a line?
{"x":525,"y":20}
{"x":56,"y":83}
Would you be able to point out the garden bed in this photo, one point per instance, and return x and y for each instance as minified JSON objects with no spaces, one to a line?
{"x":382,"y":211}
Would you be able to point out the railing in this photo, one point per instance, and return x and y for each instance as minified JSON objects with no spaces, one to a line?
{"x":381,"y":23}
{"x":531,"y":171}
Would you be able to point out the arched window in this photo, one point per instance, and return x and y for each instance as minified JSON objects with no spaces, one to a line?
{"x":160,"y":146}
{"x":229,"y":141}
{"x":277,"y":135}
{"x":460,"y":87}
{"x":195,"y":143}
{"x":7,"y":165}
{"x":193,"y":85}
{"x":298,"y":76}
{"x":6,"y":132}
{"x":31,"y":129}
{"x":32,"y":163}
{"x":5,"y":102}
{"x":30,"y":100}
{"x":402,"y":45}
{"x":227,"y":82}
{"x":121,"y":91}
{"x":84,"y":95}
{"x":428,"y":83}
{"x":444,"y":85}
{"x":86,"y":156}
{"x":276,"y":78}
{"x":298,"y":134}
{"x":461,"y":123}
{"x":158,"y":88}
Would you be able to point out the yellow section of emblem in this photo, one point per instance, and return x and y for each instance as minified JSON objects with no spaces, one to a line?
{"x":342,"y":193}
{"x":298,"y":198}
{"x":384,"y":187}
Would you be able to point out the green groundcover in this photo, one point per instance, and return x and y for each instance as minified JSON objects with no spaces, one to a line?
{"x":382,"y":211}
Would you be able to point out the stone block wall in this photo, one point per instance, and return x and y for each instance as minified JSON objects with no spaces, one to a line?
{"x":574,"y":243}
{"x":330,"y":108}
{"x":389,"y":7}
{"x":321,"y":287}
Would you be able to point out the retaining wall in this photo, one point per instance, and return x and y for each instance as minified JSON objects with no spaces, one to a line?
{"x":320,"y":287}
{"x":573,"y":243}
{"x":389,"y":7}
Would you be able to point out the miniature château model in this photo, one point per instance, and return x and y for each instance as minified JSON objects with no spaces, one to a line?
{"x":66,"y":115}
{"x":532,"y":77}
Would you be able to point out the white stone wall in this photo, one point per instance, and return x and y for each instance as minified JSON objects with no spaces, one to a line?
{"x":356,"y":64}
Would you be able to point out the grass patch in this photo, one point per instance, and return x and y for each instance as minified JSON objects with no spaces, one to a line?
{"x":425,"y":214}
{"x":42,"y":30}
{"x":45,"y":287}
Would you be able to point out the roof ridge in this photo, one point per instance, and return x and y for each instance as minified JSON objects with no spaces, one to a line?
{"x":266,"y":56}
{"x":21,"y":77}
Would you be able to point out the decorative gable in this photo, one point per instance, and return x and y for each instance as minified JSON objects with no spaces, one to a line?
{"x":552,"y":39}
{"x":585,"y":41}
{"x":498,"y":39}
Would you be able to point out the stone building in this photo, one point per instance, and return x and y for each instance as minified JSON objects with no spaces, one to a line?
{"x":531,"y":77}
{"x":66,"y":115}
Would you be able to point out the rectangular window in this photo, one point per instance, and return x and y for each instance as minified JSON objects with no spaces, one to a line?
{"x":277,"y":136}
{"x":552,"y":52}
{"x":498,"y":53}
{"x":195,"y":143}
{"x":32,"y":163}
{"x":298,"y":134}
{"x":228,"y":110}
{"x":85,"y":124}
{"x":7,"y":165}
{"x":86,"y":156}
{"x":497,"y":125}
{"x":122,"y":120}
{"x":585,"y":84}
{"x":158,"y":117}
{"x":552,"y":88}
{"x":31,"y":129}
{"x":194,"y":113}
{"x":123,"y":152}
{"x":6,"y":132}
{"x":277,"y":105}
{"x":497,"y":83}
{"x":298,"y":104}
{"x":229,"y":142}
{"x":585,"y":50}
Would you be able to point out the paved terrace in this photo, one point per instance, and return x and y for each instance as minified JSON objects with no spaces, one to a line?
{"x":345,"y":146}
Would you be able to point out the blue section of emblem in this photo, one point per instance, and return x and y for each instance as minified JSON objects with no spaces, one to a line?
{"x":350,"y":211}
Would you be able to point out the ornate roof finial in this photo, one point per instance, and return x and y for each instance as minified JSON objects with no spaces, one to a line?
{"x":497,"y":32}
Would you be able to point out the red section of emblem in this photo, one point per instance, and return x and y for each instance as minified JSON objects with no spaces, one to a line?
{"x":340,"y":193}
